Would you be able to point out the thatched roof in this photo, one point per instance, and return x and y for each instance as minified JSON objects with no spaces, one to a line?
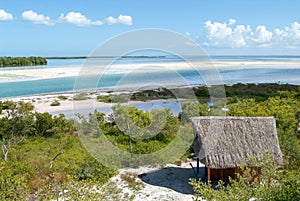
{"x":223,"y":142}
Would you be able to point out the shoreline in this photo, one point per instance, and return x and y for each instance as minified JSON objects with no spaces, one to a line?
{"x":69,"y":106}
{"x":105,"y":91}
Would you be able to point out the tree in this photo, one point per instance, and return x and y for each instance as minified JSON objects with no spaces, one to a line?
{"x":193,"y":109}
{"x":16,"y":125}
{"x":131,"y":121}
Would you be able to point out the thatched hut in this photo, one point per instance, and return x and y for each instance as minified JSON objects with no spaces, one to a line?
{"x":222,"y":143}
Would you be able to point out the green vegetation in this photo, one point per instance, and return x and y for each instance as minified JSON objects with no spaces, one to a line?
{"x":55,"y":103}
{"x":62,"y":97}
{"x":134,"y":130}
{"x":131,"y":181}
{"x":80,"y":96}
{"x":144,"y":95}
{"x":160,"y":129}
{"x":272,"y":184}
{"x":43,"y":158}
{"x":22,"y":61}
{"x":122,"y":98}
{"x":260,"y":92}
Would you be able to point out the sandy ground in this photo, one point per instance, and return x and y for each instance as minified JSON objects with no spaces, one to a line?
{"x":38,"y":73}
{"x":44,"y":72}
{"x":71,"y":107}
{"x":168,"y":183}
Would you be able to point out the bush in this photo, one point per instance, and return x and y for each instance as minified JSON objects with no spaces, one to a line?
{"x":62,"y":97}
{"x":55,"y":103}
{"x":28,"y":173}
{"x":273,"y":184}
{"x":81,"y":96}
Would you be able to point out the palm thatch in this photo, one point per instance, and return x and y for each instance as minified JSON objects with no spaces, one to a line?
{"x":225,"y":142}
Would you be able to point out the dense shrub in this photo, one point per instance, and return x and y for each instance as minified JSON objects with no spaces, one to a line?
{"x":22,"y":61}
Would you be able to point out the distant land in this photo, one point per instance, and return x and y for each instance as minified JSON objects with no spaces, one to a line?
{"x":88,"y":57}
{"x":22,"y":61}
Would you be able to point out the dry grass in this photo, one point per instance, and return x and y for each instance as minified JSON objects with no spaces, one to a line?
{"x":132,"y":181}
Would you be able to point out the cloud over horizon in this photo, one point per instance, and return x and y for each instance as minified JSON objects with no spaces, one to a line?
{"x":5,"y":16}
{"x":289,"y":36}
{"x":230,"y":35}
{"x":223,"y":35}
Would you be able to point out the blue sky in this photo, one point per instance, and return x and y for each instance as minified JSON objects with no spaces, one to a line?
{"x":76,"y":27}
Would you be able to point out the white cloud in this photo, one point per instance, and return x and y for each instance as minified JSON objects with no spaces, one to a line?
{"x":78,"y":19}
{"x":230,"y":35}
{"x":231,"y":21}
{"x":262,"y":35}
{"x":125,"y":19}
{"x":122,"y":19}
{"x":37,"y":18}
{"x":5,"y":16}
{"x":223,"y":35}
{"x":289,"y":36}
{"x":240,"y":35}
{"x":111,"y":20}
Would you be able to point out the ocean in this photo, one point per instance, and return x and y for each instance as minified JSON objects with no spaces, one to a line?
{"x":250,"y":73}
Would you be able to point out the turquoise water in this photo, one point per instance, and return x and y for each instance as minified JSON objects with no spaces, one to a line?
{"x":243,"y":74}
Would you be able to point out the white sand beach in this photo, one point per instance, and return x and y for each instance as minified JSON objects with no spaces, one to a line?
{"x":8,"y":75}
{"x":36,"y":73}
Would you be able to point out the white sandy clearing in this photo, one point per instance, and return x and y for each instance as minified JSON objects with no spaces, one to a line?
{"x":168,"y":183}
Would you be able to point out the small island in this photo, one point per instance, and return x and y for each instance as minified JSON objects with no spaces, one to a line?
{"x":22,"y":61}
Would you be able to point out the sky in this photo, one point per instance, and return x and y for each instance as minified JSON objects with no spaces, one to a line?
{"x":77,"y":27}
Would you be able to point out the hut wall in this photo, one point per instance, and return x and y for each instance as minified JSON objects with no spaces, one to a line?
{"x":254,"y":171}
{"x":216,"y":173}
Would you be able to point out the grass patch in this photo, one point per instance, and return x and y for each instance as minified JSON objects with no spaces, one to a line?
{"x":132,"y":181}
{"x":122,"y":98}
{"x":80,"y":97}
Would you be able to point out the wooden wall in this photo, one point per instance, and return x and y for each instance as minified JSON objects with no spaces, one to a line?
{"x":222,"y":173}
{"x":216,"y":174}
